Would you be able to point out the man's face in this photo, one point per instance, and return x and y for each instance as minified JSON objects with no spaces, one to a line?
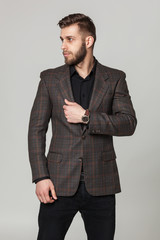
{"x":73,"y":45}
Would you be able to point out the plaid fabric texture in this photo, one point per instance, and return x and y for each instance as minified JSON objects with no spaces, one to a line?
{"x":111,"y":114}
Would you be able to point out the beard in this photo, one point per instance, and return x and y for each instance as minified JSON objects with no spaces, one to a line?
{"x":78,"y":56}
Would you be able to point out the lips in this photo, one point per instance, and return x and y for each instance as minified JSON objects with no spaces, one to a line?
{"x":66,"y":54}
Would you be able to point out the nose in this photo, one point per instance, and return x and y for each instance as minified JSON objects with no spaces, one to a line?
{"x":63,"y":47}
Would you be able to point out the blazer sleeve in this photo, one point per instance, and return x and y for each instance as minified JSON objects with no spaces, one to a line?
{"x":38,"y":126}
{"x":122,"y":121}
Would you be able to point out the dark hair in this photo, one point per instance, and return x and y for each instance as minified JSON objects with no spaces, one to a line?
{"x":84,"y":22}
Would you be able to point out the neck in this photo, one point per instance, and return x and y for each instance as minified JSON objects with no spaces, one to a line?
{"x":85,"y":67}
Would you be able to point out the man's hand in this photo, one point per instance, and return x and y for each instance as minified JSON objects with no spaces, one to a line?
{"x":73,"y":112}
{"x":42,"y":191}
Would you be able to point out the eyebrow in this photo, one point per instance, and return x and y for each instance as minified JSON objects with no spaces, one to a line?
{"x":67,"y":37}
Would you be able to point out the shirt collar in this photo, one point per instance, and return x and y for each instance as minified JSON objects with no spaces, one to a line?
{"x":73,"y":70}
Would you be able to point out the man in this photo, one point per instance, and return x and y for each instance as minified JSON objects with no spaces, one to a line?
{"x":88,"y":103}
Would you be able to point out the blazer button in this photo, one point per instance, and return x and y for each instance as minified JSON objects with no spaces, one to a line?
{"x":83,"y":137}
{"x":80,"y":159}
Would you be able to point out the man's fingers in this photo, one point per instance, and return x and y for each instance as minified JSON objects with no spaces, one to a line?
{"x":43,"y":199}
{"x":42,"y":191}
{"x":40,"y":198}
{"x":68,"y":102}
{"x":48,"y":198}
{"x":65,"y":112}
{"x":53,"y":193}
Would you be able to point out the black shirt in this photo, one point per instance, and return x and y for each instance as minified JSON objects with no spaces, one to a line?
{"x":82,"y":87}
{"x":82,"y":90}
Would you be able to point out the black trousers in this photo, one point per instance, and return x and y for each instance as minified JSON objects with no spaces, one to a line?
{"x":98,"y":214}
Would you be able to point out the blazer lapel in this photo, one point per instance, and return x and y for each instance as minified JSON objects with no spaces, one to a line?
{"x":100,"y":87}
{"x":65,"y":84}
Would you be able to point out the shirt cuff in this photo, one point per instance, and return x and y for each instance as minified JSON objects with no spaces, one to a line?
{"x":39,"y":179}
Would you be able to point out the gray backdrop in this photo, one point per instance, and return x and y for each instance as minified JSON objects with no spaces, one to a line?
{"x":128,"y":37}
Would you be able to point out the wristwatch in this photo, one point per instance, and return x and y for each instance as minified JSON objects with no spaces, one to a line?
{"x":85,"y":117}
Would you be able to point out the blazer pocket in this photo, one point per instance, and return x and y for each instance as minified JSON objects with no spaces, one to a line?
{"x":108,"y":156}
{"x":54,"y":157}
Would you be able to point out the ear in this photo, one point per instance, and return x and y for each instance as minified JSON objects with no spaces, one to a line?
{"x":89,"y":41}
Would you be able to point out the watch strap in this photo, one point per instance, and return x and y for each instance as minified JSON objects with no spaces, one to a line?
{"x":87,"y":112}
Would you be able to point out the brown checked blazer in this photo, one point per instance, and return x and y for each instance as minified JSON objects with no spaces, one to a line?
{"x":111,"y":114}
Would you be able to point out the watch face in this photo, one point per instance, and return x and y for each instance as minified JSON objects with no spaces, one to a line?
{"x":85,"y":118}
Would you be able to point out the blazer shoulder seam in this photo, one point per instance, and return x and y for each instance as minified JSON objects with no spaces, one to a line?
{"x":51,"y":71}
